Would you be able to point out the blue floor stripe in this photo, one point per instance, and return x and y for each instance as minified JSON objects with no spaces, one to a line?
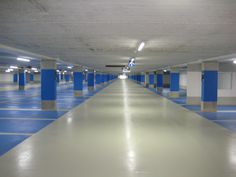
{"x":22,"y":126}
{"x":30,"y":114}
{"x":7,"y":142}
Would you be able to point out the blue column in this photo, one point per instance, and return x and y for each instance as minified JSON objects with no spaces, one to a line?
{"x":22,"y":79}
{"x":58,"y":77}
{"x":67,"y":77}
{"x":174,"y":83}
{"x":78,"y":81}
{"x":15,"y":77}
{"x":151,"y":80}
{"x":209,"y":86}
{"x":48,"y":84}
{"x":142,"y":78}
{"x":91,"y":80}
{"x":62,"y":76}
{"x":160,"y":81}
{"x":31,"y":77}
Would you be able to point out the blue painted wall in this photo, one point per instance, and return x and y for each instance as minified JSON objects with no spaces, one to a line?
{"x":98,"y":78}
{"x":151,"y":79}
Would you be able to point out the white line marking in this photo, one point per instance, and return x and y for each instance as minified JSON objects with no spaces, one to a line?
{"x":2,"y":118}
{"x":18,"y":134}
{"x":227,"y":111}
{"x":221,"y":120}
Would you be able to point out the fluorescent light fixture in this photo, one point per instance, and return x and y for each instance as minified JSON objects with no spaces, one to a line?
{"x":123,"y":76}
{"x":8,"y":70}
{"x":165,"y":70}
{"x":13,"y":67}
{"x":86,"y":70}
{"x":126,"y":70}
{"x":23,"y":59}
{"x":34,"y":69}
{"x":58,"y":71}
{"x":69,"y":67}
{"x":234,"y":62}
{"x":141,"y":46}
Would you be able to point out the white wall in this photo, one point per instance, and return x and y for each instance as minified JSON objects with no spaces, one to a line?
{"x":194,"y":86}
{"x":37,"y":77}
{"x":183,"y":79}
{"x":229,"y":91}
{"x":6,"y":77}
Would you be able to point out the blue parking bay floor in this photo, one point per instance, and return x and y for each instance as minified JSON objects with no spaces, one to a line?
{"x":21,"y":115}
{"x":225,"y":115}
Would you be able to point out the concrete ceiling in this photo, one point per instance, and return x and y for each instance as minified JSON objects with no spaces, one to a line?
{"x":99,"y":32}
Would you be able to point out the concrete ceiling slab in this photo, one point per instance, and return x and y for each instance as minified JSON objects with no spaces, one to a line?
{"x":99,"y":32}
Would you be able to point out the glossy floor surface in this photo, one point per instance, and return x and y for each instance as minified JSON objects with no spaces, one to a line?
{"x":125,"y":131}
{"x":224,"y":116}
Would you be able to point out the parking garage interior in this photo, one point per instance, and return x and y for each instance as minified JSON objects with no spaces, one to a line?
{"x":117,"y":88}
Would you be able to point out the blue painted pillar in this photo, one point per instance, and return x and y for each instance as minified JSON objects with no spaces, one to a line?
{"x":78,"y":81}
{"x":142,"y":78}
{"x":48,"y":85}
{"x":160,"y":81}
{"x":22,"y":79}
{"x":146,"y":84}
{"x":151,"y":80}
{"x":67,"y":77}
{"x":31,"y":77}
{"x":91,"y":80}
{"x":62,"y":76}
{"x":15,"y":78}
{"x":209,"y":86}
{"x":174,"y":83}
{"x":58,"y":77}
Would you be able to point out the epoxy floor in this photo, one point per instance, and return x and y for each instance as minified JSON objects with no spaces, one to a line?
{"x":125,"y":131}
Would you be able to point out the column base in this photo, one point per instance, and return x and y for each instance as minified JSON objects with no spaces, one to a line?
{"x":208,"y":106}
{"x":48,"y":105}
{"x":98,"y":85}
{"x":21,"y":87}
{"x":193,"y":100}
{"x":159,"y":89}
{"x":90,"y":89}
{"x":174,"y":94}
{"x":151,"y":86}
{"x":78,"y":93}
